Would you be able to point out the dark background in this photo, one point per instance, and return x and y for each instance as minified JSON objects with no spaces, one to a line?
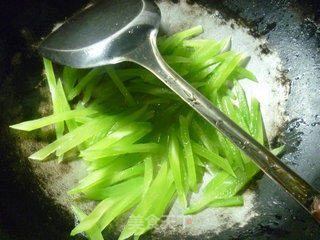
{"x":25,"y":211}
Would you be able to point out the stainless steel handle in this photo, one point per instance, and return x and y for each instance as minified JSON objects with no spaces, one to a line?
{"x":148,"y":56}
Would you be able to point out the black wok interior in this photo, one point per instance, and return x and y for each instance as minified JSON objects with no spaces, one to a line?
{"x":291,"y":27}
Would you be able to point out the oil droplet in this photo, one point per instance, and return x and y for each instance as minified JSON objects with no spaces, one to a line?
{"x":294,"y":124}
{"x":317,"y":122}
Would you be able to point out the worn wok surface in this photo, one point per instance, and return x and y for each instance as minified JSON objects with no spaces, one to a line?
{"x":291,"y":28}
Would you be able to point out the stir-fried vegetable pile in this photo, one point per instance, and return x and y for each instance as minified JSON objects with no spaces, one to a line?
{"x":141,"y":144}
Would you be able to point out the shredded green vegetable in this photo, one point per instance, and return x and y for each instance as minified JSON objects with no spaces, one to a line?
{"x":92,"y":233}
{"x":228,"y":202}
{"x":141,"y":144}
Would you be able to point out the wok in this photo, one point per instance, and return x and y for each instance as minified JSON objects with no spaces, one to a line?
{"x":290,"y":29}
